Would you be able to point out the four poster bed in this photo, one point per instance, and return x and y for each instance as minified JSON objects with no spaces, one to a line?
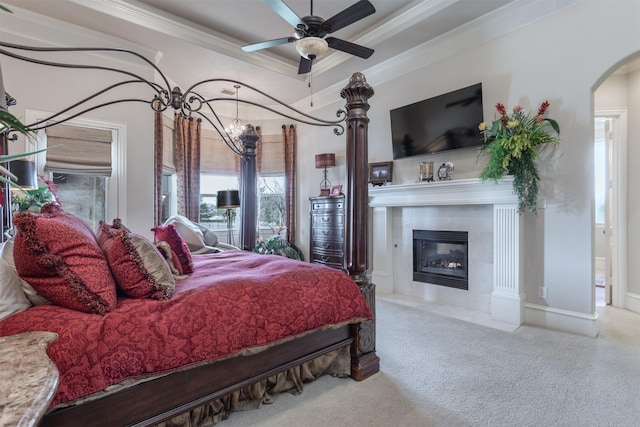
{"x":240,"y":326}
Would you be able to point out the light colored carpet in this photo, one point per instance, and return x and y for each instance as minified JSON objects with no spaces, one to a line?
{"x":443,"y":371}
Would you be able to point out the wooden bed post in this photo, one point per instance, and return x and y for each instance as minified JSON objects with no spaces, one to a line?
{"x":364,"y":361}
{"x":248,"y":191}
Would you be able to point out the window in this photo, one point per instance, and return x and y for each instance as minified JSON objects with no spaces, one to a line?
{"x":91,"y":195}
{"x":212,"y":217}
{"x":83,"y":196}
{"x":600,"y":158}
{"x":272,"y":212}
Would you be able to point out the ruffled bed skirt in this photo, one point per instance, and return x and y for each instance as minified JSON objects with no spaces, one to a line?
{"x":336,"y":363}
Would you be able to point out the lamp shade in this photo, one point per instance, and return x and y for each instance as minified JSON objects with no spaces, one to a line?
{"x":228,"y":199}
{"x":326,"y":160}
{"x":312,"y":47}
{"x":25,"y":171}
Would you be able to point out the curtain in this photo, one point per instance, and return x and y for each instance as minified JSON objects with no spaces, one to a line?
{"x":79,"y":149}
{"x":289,"y":141}
{"x":187,"y":158}
{"x":157,"y":167}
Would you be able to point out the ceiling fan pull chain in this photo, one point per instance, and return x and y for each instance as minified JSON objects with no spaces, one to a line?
{"x":310,"y":89}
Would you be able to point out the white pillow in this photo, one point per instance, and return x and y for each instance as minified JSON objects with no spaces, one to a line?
{"x":190,"y":232}
{"x":210,"y":238}
{"x":6,"y":253}
{"x":12,"y":298}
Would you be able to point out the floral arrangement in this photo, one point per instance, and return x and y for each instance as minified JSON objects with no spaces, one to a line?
{"x":512,"y":144}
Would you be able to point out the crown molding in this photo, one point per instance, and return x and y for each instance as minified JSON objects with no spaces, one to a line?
{"x":391,"y":26}
{"x":504,"y":20}
{"x":154,"y":19}
{"x":38,"y":29}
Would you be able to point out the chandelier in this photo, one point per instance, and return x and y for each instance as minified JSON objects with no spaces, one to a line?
{"x":236,"y":127}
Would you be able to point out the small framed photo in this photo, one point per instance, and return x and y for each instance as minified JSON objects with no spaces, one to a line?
{"x":336,"y":190}
{"x":380,"y":173}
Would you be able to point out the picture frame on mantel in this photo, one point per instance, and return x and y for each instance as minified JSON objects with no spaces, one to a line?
{"x":380,"y":173}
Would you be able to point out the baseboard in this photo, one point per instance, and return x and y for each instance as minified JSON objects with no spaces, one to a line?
{"x":632,"y":302}
{"x":562,"y":320}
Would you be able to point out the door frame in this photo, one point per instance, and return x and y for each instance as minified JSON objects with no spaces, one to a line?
{"x":617,"y":256}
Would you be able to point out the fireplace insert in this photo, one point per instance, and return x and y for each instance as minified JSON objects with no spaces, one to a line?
{"x":441,"y":258}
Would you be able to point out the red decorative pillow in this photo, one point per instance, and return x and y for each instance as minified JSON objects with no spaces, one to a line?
{"x":139,"y":268}
{"x":57,"y":254}
{"x":169,"y":234}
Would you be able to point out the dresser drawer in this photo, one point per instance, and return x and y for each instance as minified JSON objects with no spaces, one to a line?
{"x":327,"y":245}
{"x":331,"y":260}
{"x":327,"y":234}
{"x":327,"y":205}
{"x":327,"y":220}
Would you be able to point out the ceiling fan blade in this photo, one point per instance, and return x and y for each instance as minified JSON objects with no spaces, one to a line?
{"x":285,"y":13}
{"x":305,"y":65}
{"x":348,"y":47}
{"x":267,"y":44}
{"x":353,"y":13}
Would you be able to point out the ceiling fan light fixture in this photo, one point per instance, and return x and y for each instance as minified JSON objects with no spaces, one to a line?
{"x":312,"y":47}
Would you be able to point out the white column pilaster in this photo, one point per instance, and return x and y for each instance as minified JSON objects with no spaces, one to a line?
{"x":382,"y":247}
{"x":507,"y":298}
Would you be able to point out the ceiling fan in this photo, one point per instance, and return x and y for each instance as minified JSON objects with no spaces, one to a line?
{"x":310,"y":31}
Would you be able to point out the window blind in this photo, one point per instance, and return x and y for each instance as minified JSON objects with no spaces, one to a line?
{"x":215,"y":156}
{"x":272,"y":155}
{"x":79,"y":150}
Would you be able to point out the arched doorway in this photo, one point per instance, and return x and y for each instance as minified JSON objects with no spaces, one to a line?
{"x":613,"y":99}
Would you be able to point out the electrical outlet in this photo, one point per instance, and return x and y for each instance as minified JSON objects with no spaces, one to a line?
{"x":542,"y":292}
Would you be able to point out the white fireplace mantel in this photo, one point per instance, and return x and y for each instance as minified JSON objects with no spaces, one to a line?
{"x":507,"y":297}
{"x":443,"y":193}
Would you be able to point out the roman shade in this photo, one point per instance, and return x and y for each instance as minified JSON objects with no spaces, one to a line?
{"x":79,"y":150}
{"x":272,"y":155}
{"x":215,"y":156}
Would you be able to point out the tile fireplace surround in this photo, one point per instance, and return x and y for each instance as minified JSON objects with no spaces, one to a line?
{"x":487,"y":210}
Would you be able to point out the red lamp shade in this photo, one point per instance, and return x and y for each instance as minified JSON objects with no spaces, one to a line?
{"x":326,"y":160}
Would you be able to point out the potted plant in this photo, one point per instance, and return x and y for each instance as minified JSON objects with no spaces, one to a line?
{"x":277,"y":245}
{"x":512,"y":144}
{"x":32,"y":200}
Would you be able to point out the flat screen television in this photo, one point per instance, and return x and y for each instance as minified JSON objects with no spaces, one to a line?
{"x":445,"y":122}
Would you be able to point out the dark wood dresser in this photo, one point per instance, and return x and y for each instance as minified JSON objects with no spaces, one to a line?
{"x":327,"y":230}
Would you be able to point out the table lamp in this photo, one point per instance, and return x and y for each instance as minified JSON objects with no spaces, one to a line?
{"x":326,"y":160}
{"x":228,"y":199}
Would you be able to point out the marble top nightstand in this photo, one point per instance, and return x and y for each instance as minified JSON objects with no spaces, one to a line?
{"x":28,"y":378}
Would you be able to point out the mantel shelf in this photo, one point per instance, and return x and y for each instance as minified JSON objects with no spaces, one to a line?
{"x":455,"y":192}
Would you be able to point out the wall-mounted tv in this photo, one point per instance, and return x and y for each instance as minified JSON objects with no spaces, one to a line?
{"x":445,"y":122}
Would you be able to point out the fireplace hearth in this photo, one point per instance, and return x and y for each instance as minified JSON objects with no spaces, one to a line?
{"x":441,"y":258}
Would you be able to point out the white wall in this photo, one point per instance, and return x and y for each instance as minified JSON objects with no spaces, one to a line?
{"x":559,"y":58}
{"x":633,"y":177}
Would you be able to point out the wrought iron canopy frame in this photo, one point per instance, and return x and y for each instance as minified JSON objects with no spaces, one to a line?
{"x":189,"y":103}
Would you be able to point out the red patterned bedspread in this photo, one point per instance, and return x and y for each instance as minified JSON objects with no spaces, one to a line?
{"x":233,"y":301}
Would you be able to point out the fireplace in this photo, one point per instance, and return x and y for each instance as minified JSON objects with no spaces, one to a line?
{"x":441,"y":258}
